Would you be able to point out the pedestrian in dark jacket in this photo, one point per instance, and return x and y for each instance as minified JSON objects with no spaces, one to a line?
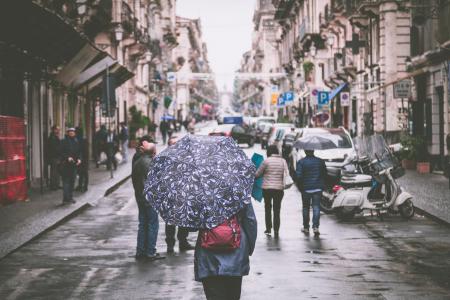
{"x":138,"y":153}
{"x":83,"y":168}
{"x":100,"y":144}
{"x":221,"y":272}
{"x":124,"y":138}
{"x":112,"y":147}
{"x":310,"y":174}
{"x":148,"y":217}
{"x":70,"y":159}
{"x":53,"y":157}
{"x":164,"y":128}
{"x":170,"y":231}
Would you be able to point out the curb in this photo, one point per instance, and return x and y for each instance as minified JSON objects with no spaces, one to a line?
{"x":16,"y":241}
{"x":424,"y":213}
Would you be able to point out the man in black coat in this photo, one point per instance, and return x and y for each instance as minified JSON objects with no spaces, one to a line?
{"x":83,"y":168}
{"x":70,"y":160}
{"x":53,"y":157}
{"x":148,"y":217}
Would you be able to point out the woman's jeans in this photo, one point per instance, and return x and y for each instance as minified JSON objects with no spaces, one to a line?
{"x":314,"y":199}
{"x":147,"y":230}
{"x":276,"y":196}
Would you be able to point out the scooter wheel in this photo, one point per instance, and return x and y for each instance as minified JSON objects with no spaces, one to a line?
{"x":406,"y":209}
{"x":345,"y":213}
{"x":326,"y":205}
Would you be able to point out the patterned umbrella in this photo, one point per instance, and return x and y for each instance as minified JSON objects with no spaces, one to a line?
{"x":200,"y":181}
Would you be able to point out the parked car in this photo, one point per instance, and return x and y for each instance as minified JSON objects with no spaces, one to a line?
{"x":265,"y":134}
{"x":277,"y":133}
{"x":260,"y":130}
{"x":333,"y":157}
{"x":240,"y":133}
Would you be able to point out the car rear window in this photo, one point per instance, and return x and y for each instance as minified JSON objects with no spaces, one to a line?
{"x":341,"y":139}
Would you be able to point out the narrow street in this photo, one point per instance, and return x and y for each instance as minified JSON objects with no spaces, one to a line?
{"x":91,"y":257}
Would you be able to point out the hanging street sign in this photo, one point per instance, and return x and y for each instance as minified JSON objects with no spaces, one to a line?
{"x":323,"y":98}
{"x":288,"y":97}
{"x":402,"y":89}
{"x":171,"y":76}
{"x":345,"y":99}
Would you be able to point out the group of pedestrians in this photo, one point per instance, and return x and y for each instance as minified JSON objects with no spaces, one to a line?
{"x":109,"y":143}
{"x":69,"y":157}
{"x":310,"y":179}
{"x":148,"y":217}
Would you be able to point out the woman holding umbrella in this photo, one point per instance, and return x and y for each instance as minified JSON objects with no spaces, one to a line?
{"x":202,"y":182}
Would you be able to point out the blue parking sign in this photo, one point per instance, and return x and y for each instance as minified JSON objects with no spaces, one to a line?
{"x":323,"y":98}
{"x":288,"y":97}
{"x":281,"y":101}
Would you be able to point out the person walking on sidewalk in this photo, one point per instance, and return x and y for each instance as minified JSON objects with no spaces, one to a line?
{"x":221,"y":272}
{"x":310,"y":174}
{"x":83,"y":168}
{"x":170,"y":230}
{"x":70,"y":159}
{"x":148,"y":217}
{"x":99,"y":144}
{"x":272,"y":170}
{"x":111,"y":149}
{"x":124,"y":138}
{"x":53,"y":157}
{"x":164,"y":128}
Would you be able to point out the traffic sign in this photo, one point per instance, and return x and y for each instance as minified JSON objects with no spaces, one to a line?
{"x":402,"y":89}
{"x":274,"y":98}
{"x":345,"y":99}
{"x":171,"y":76}
{"x":288,"y":97}
{"x":274,"y":88}
{"x":323,"y":98}
{"x":281,"y":101}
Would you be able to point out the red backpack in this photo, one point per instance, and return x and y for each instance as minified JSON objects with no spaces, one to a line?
{"x":223,"y":238}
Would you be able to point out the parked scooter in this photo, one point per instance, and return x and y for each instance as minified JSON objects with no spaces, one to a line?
{"x":382,"y":168}
{"x":350,"y":175}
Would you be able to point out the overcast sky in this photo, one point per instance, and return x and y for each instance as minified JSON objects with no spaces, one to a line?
{"x":226,"y":27}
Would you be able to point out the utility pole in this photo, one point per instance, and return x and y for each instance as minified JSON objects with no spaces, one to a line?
{"x":108,"y":115}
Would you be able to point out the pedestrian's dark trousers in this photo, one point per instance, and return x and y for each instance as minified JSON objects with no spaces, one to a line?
{"x":54,"y":174}
{"x":164,"y":137}
{"x":181,"y":235}
{"x":222,"y":287}
{"x":68,"y":178}
{"x":275,"y":196}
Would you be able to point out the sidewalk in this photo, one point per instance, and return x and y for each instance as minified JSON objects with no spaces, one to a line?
{"x":23,"y":221}
{"x":430,"y":191}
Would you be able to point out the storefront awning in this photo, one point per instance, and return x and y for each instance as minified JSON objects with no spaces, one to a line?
{"x":39,"y":32}
{"x":337,"y":90}
{"x":93,"y":76}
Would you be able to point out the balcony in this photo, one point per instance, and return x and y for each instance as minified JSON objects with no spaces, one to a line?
{"x":370,"y":8}
{"x":306,"y":31}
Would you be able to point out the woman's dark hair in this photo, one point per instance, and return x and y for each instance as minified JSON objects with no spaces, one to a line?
{"x":272,"y":149}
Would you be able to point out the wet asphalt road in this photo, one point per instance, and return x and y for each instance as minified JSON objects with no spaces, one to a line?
{"x":91,"y":257}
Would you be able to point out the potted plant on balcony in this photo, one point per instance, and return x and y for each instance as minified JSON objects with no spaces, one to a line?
{"x":308,"y":68}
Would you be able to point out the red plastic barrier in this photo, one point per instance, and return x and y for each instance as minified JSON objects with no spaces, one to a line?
{"x":11,"y":127}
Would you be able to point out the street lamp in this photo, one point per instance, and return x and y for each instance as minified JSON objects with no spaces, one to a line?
{"x":313,"y":50}
{"x":118,"y":32}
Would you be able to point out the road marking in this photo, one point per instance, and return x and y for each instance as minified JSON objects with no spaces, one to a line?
{"x":21,"y":281}
{"x":83,"y":284}
{"x":98,"y":280}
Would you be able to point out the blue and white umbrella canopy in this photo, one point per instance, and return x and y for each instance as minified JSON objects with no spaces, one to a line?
{"x":200,"y":181}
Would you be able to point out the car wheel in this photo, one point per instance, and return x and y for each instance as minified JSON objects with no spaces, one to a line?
{"x":251,"y":142}
{"x":326,"y":204}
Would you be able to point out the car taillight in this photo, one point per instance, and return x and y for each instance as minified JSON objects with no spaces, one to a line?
{"x":337,"y":188}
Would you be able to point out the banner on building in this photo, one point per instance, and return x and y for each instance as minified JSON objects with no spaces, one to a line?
{"x":345,"y":99}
